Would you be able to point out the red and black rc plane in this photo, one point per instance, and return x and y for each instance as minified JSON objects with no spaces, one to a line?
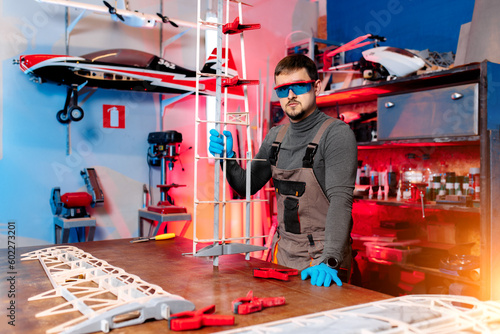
{"x":125,"y":69}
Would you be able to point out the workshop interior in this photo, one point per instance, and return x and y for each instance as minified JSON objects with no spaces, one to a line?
{"x":105,"y":114}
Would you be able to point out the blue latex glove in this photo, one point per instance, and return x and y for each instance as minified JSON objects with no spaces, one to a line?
{"x":321,"y":275}
{"x":216,"y":145}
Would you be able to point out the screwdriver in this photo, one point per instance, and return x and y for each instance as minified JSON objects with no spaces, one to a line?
{"x":157,"y":237}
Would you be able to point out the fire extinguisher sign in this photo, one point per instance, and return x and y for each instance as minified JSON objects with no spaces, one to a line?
{"x":113,"y":116}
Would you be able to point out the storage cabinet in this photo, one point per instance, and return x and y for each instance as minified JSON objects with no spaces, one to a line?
{"x":435,"y":113}
{"x":453,"y":116}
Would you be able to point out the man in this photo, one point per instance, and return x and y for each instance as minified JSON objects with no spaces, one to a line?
{"x":313,"y":162}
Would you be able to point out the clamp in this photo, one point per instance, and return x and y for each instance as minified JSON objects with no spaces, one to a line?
{"x":196,"y":319}
{"x":251,"y":304}
{"x":280,"y":274}
{"x":236,"y":28}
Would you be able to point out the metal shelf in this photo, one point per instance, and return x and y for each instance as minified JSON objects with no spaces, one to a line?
{"x":459,"y":141}
{"x":371,"y":91}
{"x":418,"y":206}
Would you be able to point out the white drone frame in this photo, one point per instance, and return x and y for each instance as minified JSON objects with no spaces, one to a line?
{"x":86,"y":281}
{"x":424,"y":314}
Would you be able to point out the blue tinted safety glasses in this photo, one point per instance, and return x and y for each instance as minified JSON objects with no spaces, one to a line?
{"x":298,"y":88}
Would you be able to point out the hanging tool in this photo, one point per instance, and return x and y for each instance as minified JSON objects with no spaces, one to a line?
{"x":235,"y":81}
{"x":164,"y":236}
{"x":235,"y":27}
{"x":197,"y":319}
{"x":280,"y":274}
{"x":251,"y":304}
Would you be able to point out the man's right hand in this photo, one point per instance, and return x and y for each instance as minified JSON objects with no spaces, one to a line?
{"x":216,"y":145}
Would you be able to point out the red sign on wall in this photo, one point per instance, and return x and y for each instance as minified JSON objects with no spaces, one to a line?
{"x":113,"y":116}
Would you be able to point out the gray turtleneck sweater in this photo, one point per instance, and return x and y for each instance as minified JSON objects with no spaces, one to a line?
{"x":334,"y":166}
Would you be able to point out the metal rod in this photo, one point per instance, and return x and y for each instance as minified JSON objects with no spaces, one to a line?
{"x":196,"y":135}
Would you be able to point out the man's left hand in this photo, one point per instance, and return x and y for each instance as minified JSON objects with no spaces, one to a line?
{"x":321,"y":275}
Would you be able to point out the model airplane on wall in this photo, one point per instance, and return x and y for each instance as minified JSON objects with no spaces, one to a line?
{"x":125,"y":69}
{"x":120,"y":12}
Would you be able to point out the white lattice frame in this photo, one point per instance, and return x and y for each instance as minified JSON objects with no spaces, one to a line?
{"x":69,"y":269}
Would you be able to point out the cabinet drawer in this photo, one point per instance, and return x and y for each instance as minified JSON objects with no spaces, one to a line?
{"x":436,"y":113}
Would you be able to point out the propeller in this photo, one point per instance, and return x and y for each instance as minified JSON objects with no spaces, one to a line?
{"x":165,"y":19}
{"x":112,"y":10}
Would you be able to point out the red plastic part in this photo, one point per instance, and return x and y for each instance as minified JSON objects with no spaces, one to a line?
{"x":74,"y":200}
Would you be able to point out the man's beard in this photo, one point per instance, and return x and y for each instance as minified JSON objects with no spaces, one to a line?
{"x":297,"y":116}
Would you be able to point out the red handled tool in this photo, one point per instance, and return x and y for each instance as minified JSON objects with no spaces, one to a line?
{"x":281,"y":274}
{"x":235,"y":27}
{"x":235,"y":81}
{"x":251,"y":304}
{"x":196,"y":319}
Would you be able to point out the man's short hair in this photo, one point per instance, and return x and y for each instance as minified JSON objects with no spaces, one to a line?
{"x":294,"y":63}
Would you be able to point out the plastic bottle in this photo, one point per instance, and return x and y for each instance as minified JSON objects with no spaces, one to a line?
{"x":459,"y":180}
{"x":358,"y":172}
{"x":374,"y":179}
{"x":436,"y":186}
{"x":474,"y":174}
{"x":392,"y":181}
{"x":472,"y":189}
{"x":427,"y":175}
{"x":442,"y":172}
{"x":364,"y":178}
{"x":399,"y":195}
{"x":409,"y":175}
{"x":450,"y":183}
{"x":465,"y":186}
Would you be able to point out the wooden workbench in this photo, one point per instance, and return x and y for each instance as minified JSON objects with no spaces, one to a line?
{"x":194,"y":278}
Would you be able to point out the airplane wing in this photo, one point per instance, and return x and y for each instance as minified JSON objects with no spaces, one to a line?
{"x":74,"y":4}
{"x":123,"y":12}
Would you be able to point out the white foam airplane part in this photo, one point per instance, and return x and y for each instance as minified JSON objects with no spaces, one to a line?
{"x":120,"y":12}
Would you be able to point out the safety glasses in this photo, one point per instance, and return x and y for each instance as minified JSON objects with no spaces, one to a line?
{"x":298,"y":88}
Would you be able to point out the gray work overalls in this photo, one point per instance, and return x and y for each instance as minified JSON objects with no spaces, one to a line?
{"x":302,"y":208}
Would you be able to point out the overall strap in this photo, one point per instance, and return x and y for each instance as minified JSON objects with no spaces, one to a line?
{"x":275,"y":148}
{"x":312,"y":147}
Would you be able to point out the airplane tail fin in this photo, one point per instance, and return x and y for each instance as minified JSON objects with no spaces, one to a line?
{"x":235,"y":92}
{"x":210,"y":65}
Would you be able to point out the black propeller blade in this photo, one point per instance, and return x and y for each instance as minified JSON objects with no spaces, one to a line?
{"x":112,"y":10}
{"x":165,"y":19}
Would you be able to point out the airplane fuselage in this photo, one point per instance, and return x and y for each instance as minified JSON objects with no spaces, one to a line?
{"x":119,"y":69}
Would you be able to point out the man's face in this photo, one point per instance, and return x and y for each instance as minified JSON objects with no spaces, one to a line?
{"x":298,"y":107}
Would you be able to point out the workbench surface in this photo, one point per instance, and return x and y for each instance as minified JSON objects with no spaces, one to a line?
{"x":194,"y":278}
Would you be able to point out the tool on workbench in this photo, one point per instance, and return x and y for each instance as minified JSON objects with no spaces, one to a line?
{"x":164,"y":236}
{"x":251,"y":304}
{"x":197,"y":319}
{"x":280,"y":274}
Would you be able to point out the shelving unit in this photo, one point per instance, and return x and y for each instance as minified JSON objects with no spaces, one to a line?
{"x":485,"y":145}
